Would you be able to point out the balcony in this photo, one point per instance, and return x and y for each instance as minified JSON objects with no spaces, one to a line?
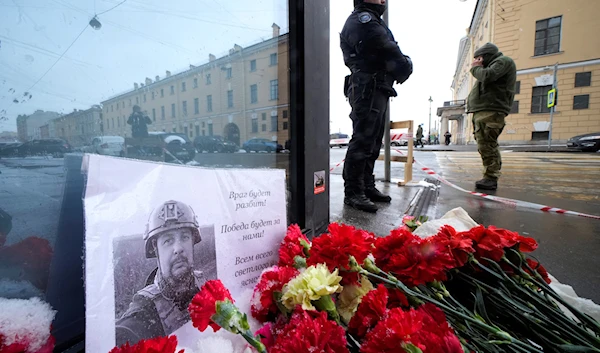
{"x":456,"y":103}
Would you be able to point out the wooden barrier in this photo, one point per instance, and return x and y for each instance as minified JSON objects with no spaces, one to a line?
{"x":408,"y":167}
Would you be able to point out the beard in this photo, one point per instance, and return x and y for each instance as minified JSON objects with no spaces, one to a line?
{"x":180,"y":286}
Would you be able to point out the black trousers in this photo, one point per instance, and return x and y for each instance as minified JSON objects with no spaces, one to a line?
{"x":368,"y":122}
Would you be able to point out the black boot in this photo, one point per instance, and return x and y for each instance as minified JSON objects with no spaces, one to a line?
{"x":372,"y":193}
{"x":360,"y":202}
{"x":486,"y":184}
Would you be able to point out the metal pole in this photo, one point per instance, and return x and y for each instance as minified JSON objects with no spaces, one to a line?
{"x":386,"y":134}
{"x":429,"y":132}
{"x":553,"y":108}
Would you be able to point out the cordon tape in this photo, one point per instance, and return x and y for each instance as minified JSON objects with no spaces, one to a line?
{"x":506,"y":201}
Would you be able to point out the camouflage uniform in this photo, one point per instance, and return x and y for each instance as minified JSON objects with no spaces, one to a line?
{"x":487,"y":128}
{"x":156,"y":310}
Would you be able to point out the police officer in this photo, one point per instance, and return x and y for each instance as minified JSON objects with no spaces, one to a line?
{"x":139,"y":123}
{"x":376,"y":62}
{"x":160,"y":308}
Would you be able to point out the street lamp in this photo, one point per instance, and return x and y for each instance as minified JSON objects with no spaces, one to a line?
{"x":430,"y":101}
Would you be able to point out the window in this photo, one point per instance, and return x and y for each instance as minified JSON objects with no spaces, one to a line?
{"x":153,"y":95}
{"x":162,"y":92}
{"x":195,"y":83}
{"x":515,"y":108}
{"x":174,"y":129}
{"x":196,"y":106}
{"x":210,"y":129}
{"x":111,"y":108}
{"x":547,"y":36}
{"x":185,"y":130}
{"x":274,"y":123}
{"x":184,"y":108}
{"x":518,"y":87}
{"x":264,"y":116}
{"x":129,"y":103}
{"x":274,"y":90}
{"x":173,"y":110}
{"x":144,"y":98}
{"x":153,"y":114}
{"x":182,"y":86}
{"x":539,"y":99}
{"x":162,"y":113}
{"x":264,"y":127}
{"x":285,"y":114}
{"x":137,"y":101}
{"x":172,"y":90}
{"x":252,"y":65}
{"x":254,"y":125}
{"x":230,"y":99}
{"x":209,"y":103}
{"x":118,"y":122}
{"x":285,"y":125}
{"x":540,"y":135}
{"x":581,"y":101}
{"x":208,"y":80}
{"x":583,"y":79}
{"x":273,"y":59}
{"x":229,"y":72}
{"x":197,"y":130}
{"x":254,"y":94}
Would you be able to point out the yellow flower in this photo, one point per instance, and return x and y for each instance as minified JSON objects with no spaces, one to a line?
{"x":351,"y":296}
{"x":312,"y":284}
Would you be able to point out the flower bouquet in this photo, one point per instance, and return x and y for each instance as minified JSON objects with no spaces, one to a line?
{"x":348,"y":291}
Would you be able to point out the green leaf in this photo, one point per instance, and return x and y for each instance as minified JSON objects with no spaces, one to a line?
{"x":576,"y":349}
{"x":411,"y":348}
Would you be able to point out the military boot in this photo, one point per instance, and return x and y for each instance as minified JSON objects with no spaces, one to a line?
{"x":486,"y":184}
{"x":372,"y":193}
{"x":359,"y":201}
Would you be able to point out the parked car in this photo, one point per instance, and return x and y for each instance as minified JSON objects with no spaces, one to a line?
{"x":587,"y":142}
{"x":214,"y":144}
{"x":9,"y":149}
{"x":55,"y":147}
{"x":339,"y":140}
{"x":258,"y":145}
{"x":106,"y":145}
{"x":161,"y":146}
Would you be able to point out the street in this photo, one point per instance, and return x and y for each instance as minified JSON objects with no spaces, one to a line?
{"x":571,"y":181}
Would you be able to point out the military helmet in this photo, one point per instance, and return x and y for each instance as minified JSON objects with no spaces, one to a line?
{"x":170,"y":215}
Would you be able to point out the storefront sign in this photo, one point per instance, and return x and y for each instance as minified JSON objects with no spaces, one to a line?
{"x":155,"y":233}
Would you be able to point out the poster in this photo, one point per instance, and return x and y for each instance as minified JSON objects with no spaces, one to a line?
{"x":319,"y":182}
{"x":155,"y":233}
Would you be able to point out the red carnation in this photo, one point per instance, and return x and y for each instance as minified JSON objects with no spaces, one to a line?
{"x":488,"y":244}
{"x":309,"y":334}
{"x":290,"y":246}
{"x":536,"y":266}
{"x":203,"y":305}
{"x":457,"y":243}
{"x":154,"y":345}
{"x":386,"y":247}
{"x":397,"y":299}
{"x":391,"y":334}
{"x":264,"y":307}
{"x":438,"y":336}
{"x":335,"y":248}
{"x":30,"y":257}
{"x":370,"y":311}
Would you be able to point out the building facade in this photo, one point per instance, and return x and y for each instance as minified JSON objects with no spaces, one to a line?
{"x":536,"y":34}
{"x":28,"y":126}
{"x":239,"y":96}
{"x":78,"y":128}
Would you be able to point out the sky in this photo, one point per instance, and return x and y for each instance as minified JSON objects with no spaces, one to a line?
{"x":144,"y":38}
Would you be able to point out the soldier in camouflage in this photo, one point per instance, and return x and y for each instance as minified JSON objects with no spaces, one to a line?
{"x":490,"y":101}
{"x":160,"y":308}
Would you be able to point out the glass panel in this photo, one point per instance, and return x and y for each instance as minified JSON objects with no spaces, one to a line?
{"x":163,"y":57}
{"x":540,"y":42}
{"x":553,"y":40}
{"x":554,"y":31}
{"x":540,"y":34}
{"x":553,"y":49}
{"x":554,"y":22}
{"x":539,"y":51}
{"x":541,"y":25}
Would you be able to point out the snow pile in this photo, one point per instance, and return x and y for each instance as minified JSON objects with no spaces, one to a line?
{"x":26,"y":322}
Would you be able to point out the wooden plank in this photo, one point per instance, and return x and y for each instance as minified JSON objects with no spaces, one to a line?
{"x":395,"y":158}
{"x":401,"y":124}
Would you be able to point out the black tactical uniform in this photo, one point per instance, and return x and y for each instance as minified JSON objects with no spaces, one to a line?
{"x":376,"y":62}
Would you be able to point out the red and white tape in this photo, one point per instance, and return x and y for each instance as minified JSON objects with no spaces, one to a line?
{"x":510,"y":202}
{"x":337,"y":165}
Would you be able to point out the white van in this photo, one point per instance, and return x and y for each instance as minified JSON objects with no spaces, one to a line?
{"x":339,"y":140}
{"x":106,"y":145}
